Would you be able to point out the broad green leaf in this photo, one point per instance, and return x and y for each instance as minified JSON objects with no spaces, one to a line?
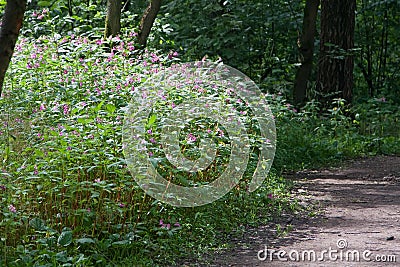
{"x":152,"y":120}
{"x":65,"y":238}
{"x":85,"y":240}
{"x":38,"y":224}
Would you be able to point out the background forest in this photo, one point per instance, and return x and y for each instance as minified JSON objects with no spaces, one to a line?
{"x":329,"y":69}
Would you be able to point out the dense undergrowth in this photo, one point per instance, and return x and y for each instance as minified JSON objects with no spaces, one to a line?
{"x":67,"y":198}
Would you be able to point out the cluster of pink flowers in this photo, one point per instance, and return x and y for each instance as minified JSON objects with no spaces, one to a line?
{"x":168,"y":225}
{"x":40,"y":15}
{"x":172,"y":55}
{"x":65,"y":109}
{"x":12,"y":208}
{"x":191,"y":138}
{"x":290,"y":107}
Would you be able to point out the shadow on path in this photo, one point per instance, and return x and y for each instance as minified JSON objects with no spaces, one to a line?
{"x":360,"y":210}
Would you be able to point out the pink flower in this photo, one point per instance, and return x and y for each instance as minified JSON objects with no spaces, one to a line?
{"x":191,"y":138}
{"x":154,"y":58}
{"x":66,"y":109}
{"x":12,"y":208}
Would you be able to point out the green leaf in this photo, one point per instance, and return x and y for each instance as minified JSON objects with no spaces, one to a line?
{"x":152,"y":120}
{"x":85,"y":240}
{"x":43,"y":3}
{"x":121,"y":243}
{"x":38,"y":224}
{"x":110,"y":108}
{"x":98,"y":107}
{"x":65,"y":238}
{"x":84,"y":120}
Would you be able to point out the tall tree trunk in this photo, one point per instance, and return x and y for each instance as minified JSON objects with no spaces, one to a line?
{"x":147,"y":21}
{"x":336,"y":63}
{"x":10,"y":27}
{"x":306,"y":49}
{"x":113,"y":18}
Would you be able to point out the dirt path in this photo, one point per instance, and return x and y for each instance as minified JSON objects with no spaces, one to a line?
{"x":360,"y":206}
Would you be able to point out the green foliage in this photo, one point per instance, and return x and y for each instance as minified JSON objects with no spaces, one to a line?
{"x":258,"y":38}
{"x":309,"y":139}
{"x":67,"y":197}
{"x":377,"y":38}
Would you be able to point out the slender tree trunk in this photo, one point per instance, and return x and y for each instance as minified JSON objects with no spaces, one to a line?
{"x":306,"y":49}
{"x":10,"y":27}
{"x":126,"y":5}
{"x":147,"y":21}
{"x":113,"y":18}
{"x":336,"y":63}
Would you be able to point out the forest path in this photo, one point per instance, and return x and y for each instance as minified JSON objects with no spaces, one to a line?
{"x":359,"y":209}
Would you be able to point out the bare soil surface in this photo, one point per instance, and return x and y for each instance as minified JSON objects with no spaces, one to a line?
{"x":358,"y":223}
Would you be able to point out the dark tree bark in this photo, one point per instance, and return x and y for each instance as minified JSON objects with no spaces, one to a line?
{"x":10,"y":27}
{"x":306,"y":49}
{"x":336,"y":62}
{"x":147,"y":21}
{"x":113,"y":18}
{"x":366,"y":52}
